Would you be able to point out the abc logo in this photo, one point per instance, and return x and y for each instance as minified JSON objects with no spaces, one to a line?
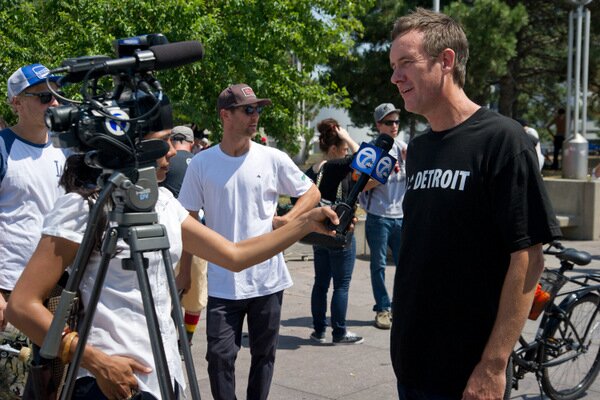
{"x":365,"y":158}
{"x":117,"y":127}
{"x":384,"y":167}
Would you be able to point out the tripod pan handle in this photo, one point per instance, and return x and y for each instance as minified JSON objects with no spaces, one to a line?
{"x":51,"y":344}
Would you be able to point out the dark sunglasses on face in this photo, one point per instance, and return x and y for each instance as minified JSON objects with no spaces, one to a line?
{"x":249,"y":110}
{"x":45,"y":97}
{"x":391,"y":122}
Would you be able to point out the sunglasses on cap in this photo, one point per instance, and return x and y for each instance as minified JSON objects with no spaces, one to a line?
{"x":249,"y":110}
{"x":45,"y":97}
{"x":391,"y":122}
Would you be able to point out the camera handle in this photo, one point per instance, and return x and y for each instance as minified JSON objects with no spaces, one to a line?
{"x":142,"y":233}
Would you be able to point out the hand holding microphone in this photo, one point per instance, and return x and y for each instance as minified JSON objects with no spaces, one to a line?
{"x":372,"y":161}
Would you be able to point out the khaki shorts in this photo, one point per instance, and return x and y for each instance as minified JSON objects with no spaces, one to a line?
{"x":197,"y":296}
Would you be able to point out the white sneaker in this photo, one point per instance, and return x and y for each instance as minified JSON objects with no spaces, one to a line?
{"x":383,"y":319}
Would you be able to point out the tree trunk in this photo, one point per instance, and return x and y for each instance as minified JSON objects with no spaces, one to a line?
{"x":507,"y":96}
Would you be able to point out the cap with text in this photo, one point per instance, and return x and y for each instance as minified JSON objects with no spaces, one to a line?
{"x":26,"y":77}
{"x":383,"y":110}
{"x":239,"y":95}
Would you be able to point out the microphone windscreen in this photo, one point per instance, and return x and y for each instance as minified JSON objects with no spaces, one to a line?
{"x":173,"y":55}
{"x":385,"y":142}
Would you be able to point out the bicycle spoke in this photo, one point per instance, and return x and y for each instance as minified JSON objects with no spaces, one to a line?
{"x":571,"y":354}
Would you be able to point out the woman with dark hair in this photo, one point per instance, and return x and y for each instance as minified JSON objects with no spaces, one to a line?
{"x":333,"y":177}
{"x":117,"y":361}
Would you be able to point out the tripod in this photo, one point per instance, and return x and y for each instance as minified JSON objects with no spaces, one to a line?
{"x":132,"y":219}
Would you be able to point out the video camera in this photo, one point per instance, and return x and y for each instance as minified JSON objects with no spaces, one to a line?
{"x":110,"y":125}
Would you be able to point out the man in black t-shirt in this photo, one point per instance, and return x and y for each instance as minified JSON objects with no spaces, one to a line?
{"x":192,"y":276}
{"x":476,"y":214}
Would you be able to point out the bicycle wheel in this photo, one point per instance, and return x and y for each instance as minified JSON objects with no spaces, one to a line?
{"x":572,"y":347}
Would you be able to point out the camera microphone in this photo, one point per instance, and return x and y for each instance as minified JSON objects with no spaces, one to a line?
{"x":370,"y":160}
{"x":155,"y":58}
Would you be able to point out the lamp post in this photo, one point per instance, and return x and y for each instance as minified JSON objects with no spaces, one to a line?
{"x":575,"y":151}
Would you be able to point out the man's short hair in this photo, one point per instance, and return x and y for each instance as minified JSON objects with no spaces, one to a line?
{"x":440,"y":32}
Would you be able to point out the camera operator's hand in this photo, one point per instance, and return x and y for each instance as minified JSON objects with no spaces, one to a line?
{"x":115,"y":375}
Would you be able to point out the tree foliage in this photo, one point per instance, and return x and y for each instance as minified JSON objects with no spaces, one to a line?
{"x":517,"y":62}
{"x":251,"y":41}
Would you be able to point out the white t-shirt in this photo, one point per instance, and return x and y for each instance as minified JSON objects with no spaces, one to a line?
{"x":386,"y":200}
{"x":239,"y":196}
{"x":538,"y":148}
{"x":29,"y":175}
{"x":119,"y":326}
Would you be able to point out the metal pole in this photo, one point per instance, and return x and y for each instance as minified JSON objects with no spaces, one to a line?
{"x":436,"y":5}
{"x":584,"y":83}
{"x":577,"y":69}
{"x":569,"y":74}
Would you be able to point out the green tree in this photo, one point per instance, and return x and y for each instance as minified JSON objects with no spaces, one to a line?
{"x":517,"y":60}
{"x":248,"y":41}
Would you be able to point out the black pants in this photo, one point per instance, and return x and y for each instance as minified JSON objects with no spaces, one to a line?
{"x":558,"y":144}
{"x":87,"y":388}
{"x":224,"y":321}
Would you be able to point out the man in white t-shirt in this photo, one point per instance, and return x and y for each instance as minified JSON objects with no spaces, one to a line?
{"x":383,"y":204}
{"x":30,"y":168}
{"x":238,"y":183}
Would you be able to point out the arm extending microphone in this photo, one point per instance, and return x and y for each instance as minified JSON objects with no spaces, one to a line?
{"x":345,"y":209}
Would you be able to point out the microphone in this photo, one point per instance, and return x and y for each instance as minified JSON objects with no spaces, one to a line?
{"x":368,"y":160}
{"x":159,"y":57}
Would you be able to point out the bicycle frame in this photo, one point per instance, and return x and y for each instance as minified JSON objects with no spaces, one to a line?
{"x":529,"y":356}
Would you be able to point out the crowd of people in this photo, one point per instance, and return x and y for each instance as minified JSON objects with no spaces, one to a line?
{"x":464,"y":207}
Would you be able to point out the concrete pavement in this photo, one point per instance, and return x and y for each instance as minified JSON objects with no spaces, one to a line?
{"x":308,"y":371}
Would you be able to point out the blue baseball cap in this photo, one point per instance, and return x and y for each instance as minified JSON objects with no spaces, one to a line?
{"x":27,"y":76}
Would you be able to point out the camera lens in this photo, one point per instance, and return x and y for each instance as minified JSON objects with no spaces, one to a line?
{"x":60,"y":119}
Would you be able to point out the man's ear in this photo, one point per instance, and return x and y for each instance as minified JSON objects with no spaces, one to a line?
{"x":448,"y":58}
{"x":16,"y":101}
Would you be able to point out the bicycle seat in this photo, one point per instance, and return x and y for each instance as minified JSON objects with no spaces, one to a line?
{"x":575,"y":256}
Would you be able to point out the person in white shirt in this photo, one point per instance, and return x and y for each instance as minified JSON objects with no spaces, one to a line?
{"x":238,"y":183}
{"x":117,"y":361}
{"x":30,"y":168}
{"x":383,"y":204}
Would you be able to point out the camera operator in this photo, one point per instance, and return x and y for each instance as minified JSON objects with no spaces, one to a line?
{"x":117,"y":362}
{"x":30,"y":168}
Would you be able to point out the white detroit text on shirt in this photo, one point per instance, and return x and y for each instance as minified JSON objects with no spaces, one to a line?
{"x":437,"y":178}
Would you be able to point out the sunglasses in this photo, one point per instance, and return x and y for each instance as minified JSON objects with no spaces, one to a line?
{"x":249,"y":110}
{"x":45,"y":97}
{"x":391,"y":122}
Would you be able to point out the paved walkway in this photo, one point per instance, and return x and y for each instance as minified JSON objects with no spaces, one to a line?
{"x":309,"y":371}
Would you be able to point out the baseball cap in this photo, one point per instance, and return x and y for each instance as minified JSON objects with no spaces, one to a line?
{"x":27,"y":76}
{"x":384,"y":109}
{"x":182,"y":133}
{"x":239,"y":95}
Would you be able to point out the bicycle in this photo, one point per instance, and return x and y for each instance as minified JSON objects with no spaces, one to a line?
{"x":565,"y":353}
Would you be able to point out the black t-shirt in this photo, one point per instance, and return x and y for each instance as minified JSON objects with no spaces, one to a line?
{"x":177,"y":167}
{"x":474,"y":195}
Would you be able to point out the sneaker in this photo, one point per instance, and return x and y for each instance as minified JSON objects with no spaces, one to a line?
{"x":348,"y":338}
{"x":317,"y":337}
{"x":383,"y":319}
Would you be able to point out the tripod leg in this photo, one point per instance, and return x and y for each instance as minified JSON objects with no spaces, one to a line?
{"x":158,"y":350}
{"x":83,"y":328}
{"x":178,"y":316}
